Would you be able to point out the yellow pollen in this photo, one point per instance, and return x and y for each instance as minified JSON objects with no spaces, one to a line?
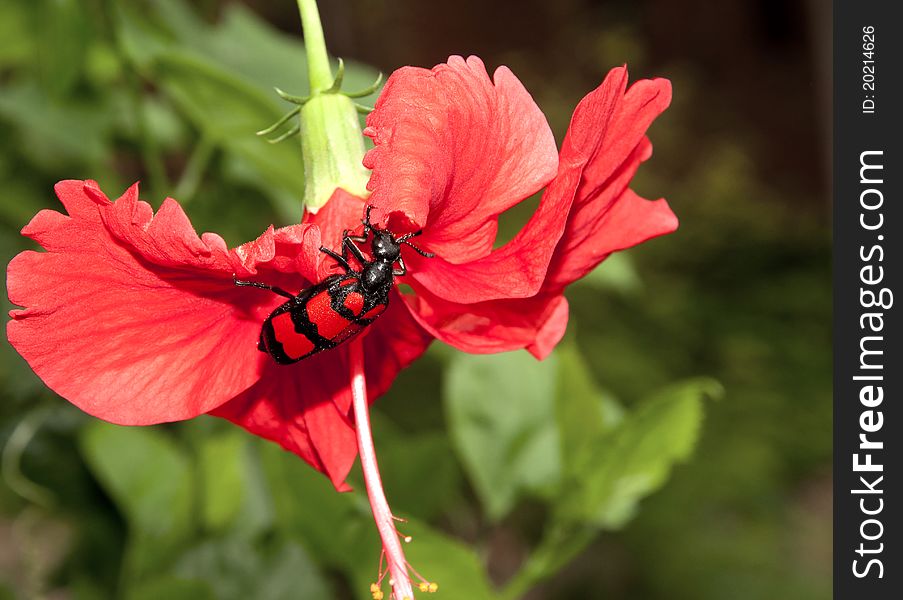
{"x":434,"y":587}
{"x":374,"y":587}
{"x":424,"y":587}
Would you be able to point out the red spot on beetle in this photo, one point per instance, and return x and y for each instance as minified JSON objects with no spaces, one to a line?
{"x":294,"y":344}
{"x":347,"y":333}
{"x":354,"y":302}
{"x":375,"y":311}
{"x":329,"y":323}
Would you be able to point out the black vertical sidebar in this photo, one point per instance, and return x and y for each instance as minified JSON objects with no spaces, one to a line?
{"x":868,"y":270}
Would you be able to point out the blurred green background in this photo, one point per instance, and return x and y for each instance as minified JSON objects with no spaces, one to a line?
{"x":544,"y":493}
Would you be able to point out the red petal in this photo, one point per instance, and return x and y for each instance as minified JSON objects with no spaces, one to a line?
{"x":343,"y":212}
{"x":395,"y":340}
{"x":630,"y":221}
{"x":288,"y":254}
{"x":496,"y":326}
{"x":606,"y":216}
{"x":609,"y":135}
{"x":507,"y":300}
{"x":132,"y":317}
{"x":551,"y":332}
{"x":454,"y":150}
{"x":296,"y":406}
{"x":306,"y":407}
{"x":518,"y":269}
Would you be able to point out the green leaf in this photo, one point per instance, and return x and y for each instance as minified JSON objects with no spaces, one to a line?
{"x":15,"y":38}
{"x":172,"y":588}
{"x":611,"y":462}
{"x":229,"y":112}
{"x":265,"y":57}
{"x":222,"y":77}
{"x":439,"y":558}
{"x":616,"y":273}
{"x":63,"y":30}
{"x":222,"y":478}
{"x":237,"y":570}
{"x":501,"y":412}
{"x":336,"y":528}
{"x":150,"y":481}
{"x":419,"y":470}
{"x":147,"y":29}
{"x":559,"y":545}
{"x":585,"y":414}
{"x":636,"y":459}
{"x":57,"y":134}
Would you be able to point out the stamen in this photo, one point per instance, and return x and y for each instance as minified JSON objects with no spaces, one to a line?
{"x":430,"y":587}
{"x":407,"y":538}
{"x":376,"y":592}
{"x":418,"y":575}
{"x":381,"y":573}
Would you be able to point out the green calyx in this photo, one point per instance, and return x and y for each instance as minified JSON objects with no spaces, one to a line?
{"x":332,"y":144}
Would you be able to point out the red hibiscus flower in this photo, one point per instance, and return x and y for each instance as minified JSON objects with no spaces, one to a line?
{"x":135,"y":319}
{"x":455,"y":149}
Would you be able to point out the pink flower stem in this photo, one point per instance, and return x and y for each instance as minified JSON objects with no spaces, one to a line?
{"x":382,"y":514}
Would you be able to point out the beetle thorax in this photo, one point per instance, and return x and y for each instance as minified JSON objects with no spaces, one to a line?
{"x":384,"y":247}
{"x":376,"y":274}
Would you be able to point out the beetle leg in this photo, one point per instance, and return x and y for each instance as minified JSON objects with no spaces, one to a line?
{"x":263,"y":286}
{"x":348,"y":245}
{"x":341,"y":259}
{"x":357,"y":238}
{"x":401,"y":271}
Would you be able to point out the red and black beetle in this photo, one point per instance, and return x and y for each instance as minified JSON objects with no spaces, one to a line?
{"x":342,"y":305}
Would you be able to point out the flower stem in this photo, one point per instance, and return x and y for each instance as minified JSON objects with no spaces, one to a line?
{"x":559,"y":545}
{"x":332,"y":146}
{"x":382,"y":514}
{"x":318,"y":69}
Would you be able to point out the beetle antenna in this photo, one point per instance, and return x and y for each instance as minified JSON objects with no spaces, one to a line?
{"x":407,"y":236}
{"x":366,"y":221}
{"x":423,"y":253}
